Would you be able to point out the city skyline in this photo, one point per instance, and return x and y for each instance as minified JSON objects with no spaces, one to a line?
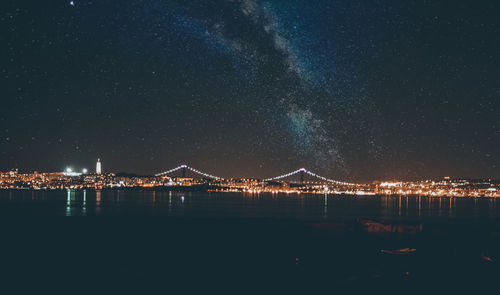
{"x":186,"y":178}
{"x":71,"y":171}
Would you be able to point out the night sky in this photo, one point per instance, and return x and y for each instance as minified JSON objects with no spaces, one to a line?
{"x":353,"y":90}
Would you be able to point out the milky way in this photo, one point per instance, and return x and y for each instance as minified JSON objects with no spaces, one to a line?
{"x":302,"y":79}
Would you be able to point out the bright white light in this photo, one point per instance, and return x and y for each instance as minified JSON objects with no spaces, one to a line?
{"x":69,"y":170}
{"x":390,"y":184}
{"x":72,"y":3}
{"x":84,"y":171}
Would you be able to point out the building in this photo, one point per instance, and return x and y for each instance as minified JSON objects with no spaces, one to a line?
{"x":98,"y":167}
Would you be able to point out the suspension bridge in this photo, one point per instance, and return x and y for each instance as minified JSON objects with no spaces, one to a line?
{"x":302,"y":172}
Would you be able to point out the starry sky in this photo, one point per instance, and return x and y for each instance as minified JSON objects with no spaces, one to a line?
{"x":353,"y":90}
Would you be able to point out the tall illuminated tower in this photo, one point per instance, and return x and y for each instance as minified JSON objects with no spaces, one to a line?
{"x":98,"y":168}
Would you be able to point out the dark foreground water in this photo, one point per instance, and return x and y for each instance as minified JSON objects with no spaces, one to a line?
{"x":158,"y":242}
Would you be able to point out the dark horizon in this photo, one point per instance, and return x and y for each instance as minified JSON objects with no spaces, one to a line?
{"x":248,"y":88}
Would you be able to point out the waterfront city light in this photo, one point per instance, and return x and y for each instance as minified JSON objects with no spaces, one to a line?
{"x":289,"y":183}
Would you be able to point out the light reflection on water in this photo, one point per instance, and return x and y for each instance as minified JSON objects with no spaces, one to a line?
{"x":98,"y":201}
{"x":290,"y":206}
{"x":84,"y":204}
{"x":325,"y":209}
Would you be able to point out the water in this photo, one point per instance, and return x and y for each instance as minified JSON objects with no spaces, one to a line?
{"x":305,"y":207}
{"x":158,"y":240}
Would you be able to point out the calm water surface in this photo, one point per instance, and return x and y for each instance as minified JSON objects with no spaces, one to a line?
{"x":235,"y":205}
{"x":237,"y":240}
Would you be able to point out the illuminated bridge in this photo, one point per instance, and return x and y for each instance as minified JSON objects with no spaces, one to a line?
{"x":186,"y":167}
{"x":302,"y":171}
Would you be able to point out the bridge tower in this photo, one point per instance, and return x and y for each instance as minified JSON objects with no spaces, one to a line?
{"x":301,"y":180}
{"x":183,"y":172}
